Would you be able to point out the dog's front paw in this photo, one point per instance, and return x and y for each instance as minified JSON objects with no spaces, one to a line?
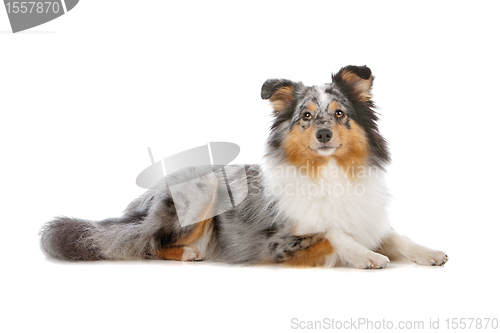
{"x":370,"y":260}
{"x":429,"y":257}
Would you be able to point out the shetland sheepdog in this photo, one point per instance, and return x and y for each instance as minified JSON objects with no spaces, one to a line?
{"x":318,"y":198}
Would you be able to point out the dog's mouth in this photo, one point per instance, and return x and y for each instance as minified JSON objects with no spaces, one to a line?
{"x":326,"y":150}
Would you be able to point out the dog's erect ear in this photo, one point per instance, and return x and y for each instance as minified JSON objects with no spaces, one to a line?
{"x":279,"y":93}
{"x":358,"y":79}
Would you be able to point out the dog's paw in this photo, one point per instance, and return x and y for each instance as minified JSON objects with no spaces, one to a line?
{"x":190,"y":254}
{"x":429,"y":257}
{"x":370,"y":260}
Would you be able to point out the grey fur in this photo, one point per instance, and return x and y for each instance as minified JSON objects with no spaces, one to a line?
{"x":252,"y":232}
{"x":67,"y":238}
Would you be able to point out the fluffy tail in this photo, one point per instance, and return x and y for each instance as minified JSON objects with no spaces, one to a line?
{"x":123,"y":238}
{"x":69,"y":239}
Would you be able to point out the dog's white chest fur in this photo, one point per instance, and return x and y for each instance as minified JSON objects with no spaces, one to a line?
{"x":331,"y":202}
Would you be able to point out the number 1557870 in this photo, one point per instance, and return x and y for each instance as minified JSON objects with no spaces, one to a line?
{"x":38,"y":7}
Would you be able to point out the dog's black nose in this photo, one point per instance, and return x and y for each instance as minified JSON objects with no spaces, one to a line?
{"x":324,"y":135}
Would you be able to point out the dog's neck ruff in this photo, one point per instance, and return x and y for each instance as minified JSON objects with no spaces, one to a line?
{"x":330,"y":201}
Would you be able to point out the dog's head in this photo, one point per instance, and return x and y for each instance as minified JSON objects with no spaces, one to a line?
{"x":313,"y":125}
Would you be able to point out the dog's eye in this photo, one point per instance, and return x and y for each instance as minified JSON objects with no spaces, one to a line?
{"x":339,"y":113}
{"x":307,"y":115}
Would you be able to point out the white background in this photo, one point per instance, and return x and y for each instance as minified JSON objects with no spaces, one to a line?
{"x":83,"y":96}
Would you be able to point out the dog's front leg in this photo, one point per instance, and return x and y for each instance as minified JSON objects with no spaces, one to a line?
{"x":396,"y":246}
{"x":350,"y":253}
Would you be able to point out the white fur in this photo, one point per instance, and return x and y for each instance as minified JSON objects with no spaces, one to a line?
{"x":190,"y":254}
{"x":327,"y":152}
{"x":401,"y":247}
{"x":351,"y":213}
{"x":349,"y":252}
{"x":324,"y":98}
{"x":333,"y":202}
{"x":203,"y":243}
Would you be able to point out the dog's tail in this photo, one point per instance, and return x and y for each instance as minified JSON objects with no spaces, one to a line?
{"x":119,"y":238}
{"x":69,"y":239}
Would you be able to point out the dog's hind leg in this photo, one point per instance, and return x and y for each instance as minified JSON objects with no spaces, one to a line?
{"x":194,"y":204}
{"x":180,"y":253}
{"x":193,"y":246}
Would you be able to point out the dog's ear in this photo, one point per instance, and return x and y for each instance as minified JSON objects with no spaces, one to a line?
{"x":279,"y":92}
{"x":358,"y":80}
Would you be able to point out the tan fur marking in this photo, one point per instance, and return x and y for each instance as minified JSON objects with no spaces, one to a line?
{"x":282,"y":99}
{"x":172,"y":253}
{"x":312,"y":107}
{"x":197,"y":232}
{"x":361,"y":88}
{"x":314,"y":255}
{"x":299,"y":153}
{"x":333,"y":106}
{"x":354,"y":151}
